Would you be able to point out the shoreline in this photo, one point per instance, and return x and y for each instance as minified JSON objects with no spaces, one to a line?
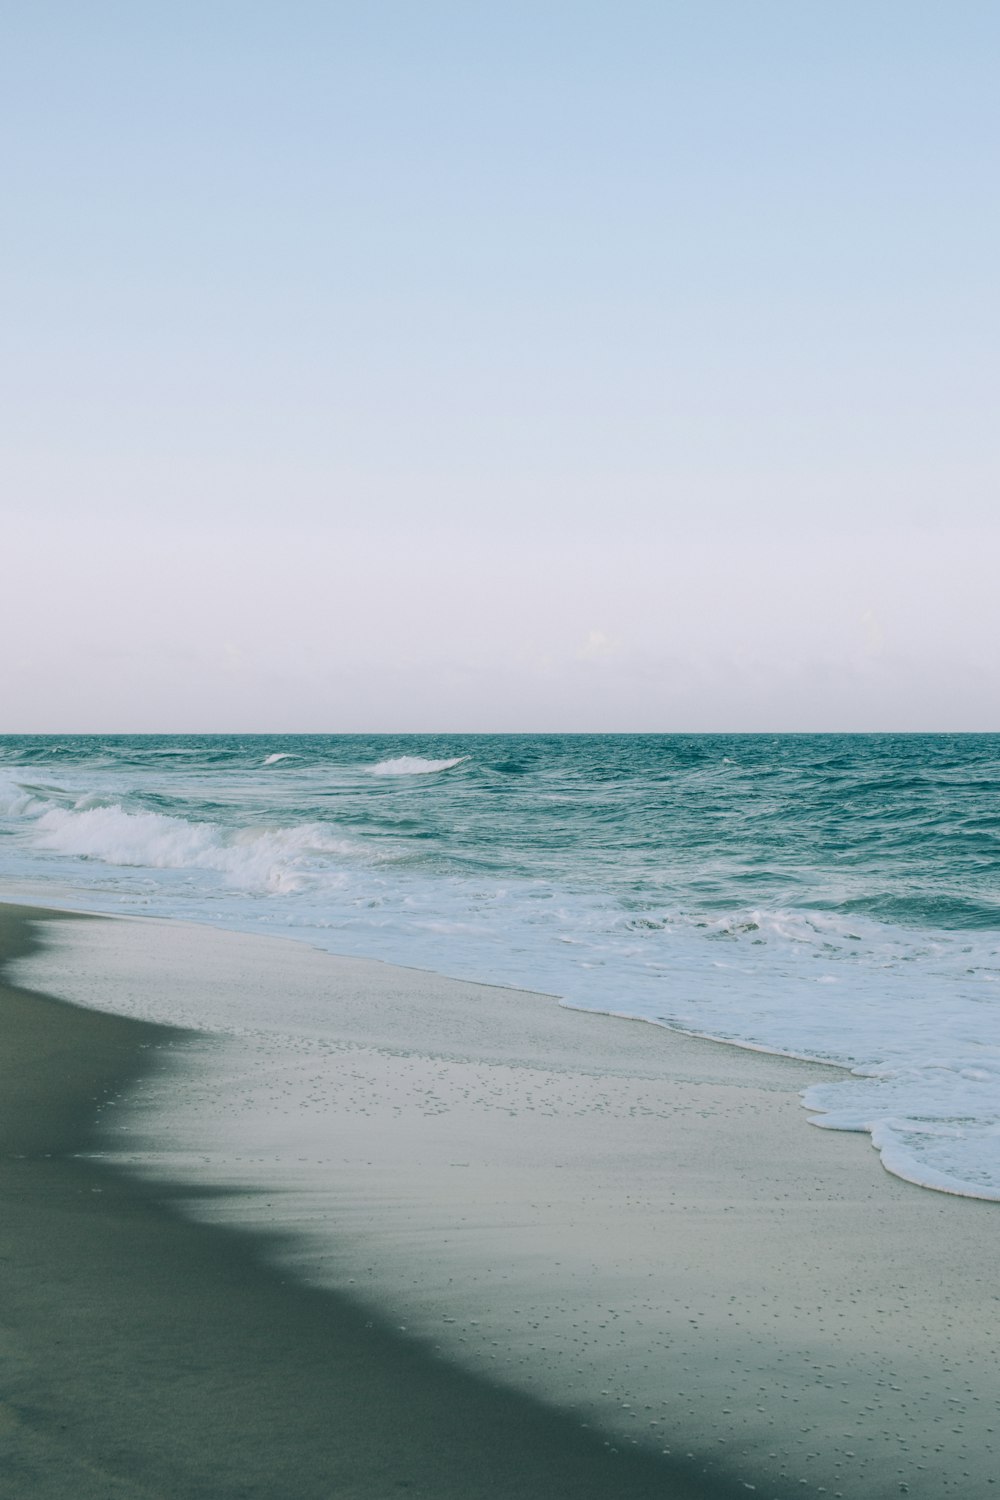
{"x":689,"y":1268}
{"x":149,"y":1356}
{"x":822,"y":1113}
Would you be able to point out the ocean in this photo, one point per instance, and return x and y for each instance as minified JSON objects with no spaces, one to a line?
{"x":832,"y":897}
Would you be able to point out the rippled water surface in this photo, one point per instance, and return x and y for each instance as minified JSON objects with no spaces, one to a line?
{"x":835,"y":897}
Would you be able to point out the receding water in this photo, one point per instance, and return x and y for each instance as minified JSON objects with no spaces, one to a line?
{"x":836,"y":897}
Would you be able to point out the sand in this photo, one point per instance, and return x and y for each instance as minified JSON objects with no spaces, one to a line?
{"x":575,"y":1218}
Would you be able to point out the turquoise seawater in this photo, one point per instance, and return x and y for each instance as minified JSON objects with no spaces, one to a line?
{"x":836,"y":897}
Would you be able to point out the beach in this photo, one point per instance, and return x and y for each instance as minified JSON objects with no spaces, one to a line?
{"x":540,"y":1253}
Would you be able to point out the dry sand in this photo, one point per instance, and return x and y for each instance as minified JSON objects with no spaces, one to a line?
{"x":638,"y":1229}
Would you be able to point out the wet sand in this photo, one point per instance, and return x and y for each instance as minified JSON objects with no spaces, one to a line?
{"x":579,"y":1219}
{"x":144,"y":1355}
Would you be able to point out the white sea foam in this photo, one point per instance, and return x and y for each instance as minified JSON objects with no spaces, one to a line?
{"x":935,"y":1122}
{"x":255,"y":858}
{"x":272,"y":760}
{"x":413,"y":765}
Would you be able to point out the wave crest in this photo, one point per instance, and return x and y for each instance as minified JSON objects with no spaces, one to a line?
{"x":272,"y":859}
{"x":414,"y":765}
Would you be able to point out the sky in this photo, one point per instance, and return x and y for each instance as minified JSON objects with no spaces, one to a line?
{"x":382,"y":366}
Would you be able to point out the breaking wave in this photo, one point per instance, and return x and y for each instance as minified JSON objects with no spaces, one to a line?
{"x":263,"y":858}
{"x":414,"y":765}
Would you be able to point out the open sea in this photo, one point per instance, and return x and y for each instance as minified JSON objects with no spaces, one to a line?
{"x":832,"y":897}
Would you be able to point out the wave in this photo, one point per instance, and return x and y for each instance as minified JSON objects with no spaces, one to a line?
{"x":272,"y":760}
{"x":935,"y":1122}
{"x":414,"y":765}
{"x":272,"y":859}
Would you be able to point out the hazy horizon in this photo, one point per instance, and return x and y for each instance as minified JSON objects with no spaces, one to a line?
{"x":559,"y":368}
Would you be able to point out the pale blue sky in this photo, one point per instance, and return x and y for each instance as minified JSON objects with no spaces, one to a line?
{"x":522,"y":366}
